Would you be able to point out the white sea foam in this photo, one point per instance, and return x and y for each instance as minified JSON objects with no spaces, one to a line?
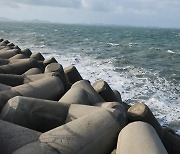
{"x":132,"y":44}
{"x":112,"y":44}
{"x":134,"y":84}
{"x":170,"y":51}
{"x":42,"y":46}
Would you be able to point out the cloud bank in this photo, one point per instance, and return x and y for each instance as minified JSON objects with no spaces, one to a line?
{"x":99,"y":5}
{"x":133,"y":12}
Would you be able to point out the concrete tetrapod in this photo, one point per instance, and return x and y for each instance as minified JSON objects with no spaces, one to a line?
{"x":17,"y":47}
{"x":77,"y":110}
{"x":19,"y":67}
{"x":105,"y":91}
{"x":50,"y":88}
{"x":5,"y":54}
{"x":56,"y":67}
{"x":3,"y":47}
{"x":12,"y":137}
{"x":141,"y":112}
{"x":139,"y":138}
{"x":35,"y":77}
{"x":37,"y":56}
{"x":43,"y":115}
{"x":72,"y":74}
{"x":94,"y":133}
{"x":4,"y":62}
{"x":4,"y":87}
{"x":11,"y":79}
{"x":33,"y":71}
{"x":118,"y":96}
{"x":5,"y":95}
{"x":87,"y":134}
{"x":112,"y":105}
{"x":12,"y":61}
{"x":16,"y":80}
{"x":81,"y":92}
{"x":37,"y":114}
{"x":171,"y":142}
{"x":48,"y":61}
{"x":109,"y":95}
{"x":11,"y":44}
{"x":4,"y":43}
{"x":18,"y":56}
{"x":27,"y":52}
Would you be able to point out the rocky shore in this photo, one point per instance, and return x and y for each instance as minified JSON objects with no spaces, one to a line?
{"x":45,"y":108}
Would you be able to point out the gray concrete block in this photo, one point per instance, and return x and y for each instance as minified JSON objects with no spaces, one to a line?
{"x":13,"y":60}
{"x":11,"y":44}
{"x":35,"y":77}
{"x":4,"y":62}
{"x":50,"y":88}
{"x":27,"y":52}
{"x":141,"y":112}
{"x":113,"y":105}
{"x":171,"y":142}
{"x":36,"y":89}
{"x":5,"y":95}
{"x":113,"y":152}
{"x":18,"y":56}
{"x":15,"y":80}
{"x":17,"y":47}
{"x":4,"y":43}
{"x":33,"y":71}
{"x":19,"y":67}
{"x":48,"y":61}
{"x":105,"y":91}
{"x":36,"y":148}
{"x":4,"y":87}
{"x":118,"y":97}
{"x":12,"y":137}
{"x":72,"y":74}
{"x":5,"y":54}
{"x":94,"y":133}
{"x":56,"y":67}
{"x":81,"y":92}
{"x":37,"y":114}
{"x":139,"y":138}
{"x":37,"y":56}
{"x":77,"y":111}
{"x":11,"y":79}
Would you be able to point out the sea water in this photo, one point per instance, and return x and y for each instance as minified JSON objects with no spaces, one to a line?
{"x":143,"y":64}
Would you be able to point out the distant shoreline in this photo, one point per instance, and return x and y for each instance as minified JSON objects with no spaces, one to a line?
{"x":37,"y":21}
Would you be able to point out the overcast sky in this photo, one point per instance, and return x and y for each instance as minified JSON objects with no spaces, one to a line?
{"x":161,"y":13}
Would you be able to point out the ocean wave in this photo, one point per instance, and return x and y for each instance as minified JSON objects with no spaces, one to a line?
{"x":170,"y":51}
{"x":132,"y":44}
{"x":112,"y":44}
{"x":134,"y":84}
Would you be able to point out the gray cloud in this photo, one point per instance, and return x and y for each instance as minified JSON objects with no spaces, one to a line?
{"x":52,"y":3}
{"x":130,"y":12}
{"x":101,"y":5}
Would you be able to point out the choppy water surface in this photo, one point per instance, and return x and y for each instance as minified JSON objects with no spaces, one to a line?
{"x":142,"y":63}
